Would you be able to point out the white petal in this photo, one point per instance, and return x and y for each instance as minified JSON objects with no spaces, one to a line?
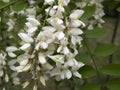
{"x":75,"y":31}
{"x":33,"y":21}
{"x":32,"y":30}
{"x":57,"y":58}
{"x":77,"y":74}
{"x":66,"y":50}
{"x":1,"y":73}
{"x":49,"y":28}
{"x":25,"y":37}
{"x":6,"y":78}
{"x":26,"y":68}
{"x":77,"y":23}
{"x":62,"y":75}
{"x":42,"y":58}
{"x":59,"y":35}
{"x":25,"y":84}
{"x":11,"y":54}
{"x":76,"y":14}
{"x":55,"y":72}
{"x":25,"y":46}
{"x":49,"y":2}
{"x":12,"y":62}
{"x":70,"y":63}
{"x":59,"y":49}
{"x":6,"y":1}
{"x":42,"y":80}
{"x":13,"y":68}
{"x":23,"y":62}
{"x":11,"y":49}
{"x":44,"y":45}
{"x":35,"y":87}
{"x":68,"y":74}
{"x":19,"y":68}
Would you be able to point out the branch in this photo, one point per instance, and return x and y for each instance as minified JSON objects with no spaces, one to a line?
{"x":7,"y":5}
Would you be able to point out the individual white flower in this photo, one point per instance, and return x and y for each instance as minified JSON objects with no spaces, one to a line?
{"x":76,"y":14}
{"x":56,"y":22}
{"x":63,"y":49}
{"x":23,"y":61}
{"x":59,"y":35}
{"x":33,"y":21}
{"x":75,"y":31}
{"x":44,"y":39}
{"x":76,"y":40}
{"x":76,"y":23}
{"x":32,"y":25}
{"x":57,"y":58}
{"x":11,"y":50}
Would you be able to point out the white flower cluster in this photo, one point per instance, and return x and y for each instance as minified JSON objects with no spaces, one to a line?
{"x":99,"y":12}
{"x":49,"y":47}
{"x":4,"y":75}
{"x":50,"y":40}
{"x":2,"y":64}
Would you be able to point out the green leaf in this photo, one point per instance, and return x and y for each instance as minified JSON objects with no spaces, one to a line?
{"x":96,"y":33}
{"x":83,"y":57}
{"x":105,"y":49}
{"x":89,"y":11}
{"x":87,"y":71}
{"x":111,"y":69}
{"x":20,"y":5}
{"x":113,"y":84}
{"x":118,"y":9}
{"x":112,"y":4}
{"x":21,"y":22}
{"x":92,"y":86}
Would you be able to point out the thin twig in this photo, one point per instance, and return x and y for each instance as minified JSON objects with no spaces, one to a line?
{"x":92,"y":57}
{"x":114,"y":35}
{"x":112,"y":41}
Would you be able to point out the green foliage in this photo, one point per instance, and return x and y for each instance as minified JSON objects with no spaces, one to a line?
{"x":91,"y":86}
{"x":83,"y":57}
{"x":113,"y":84}
{"x":96,"y":32}
{"x":105,"y":49}
{"x":89,"y":11}
{"x":87,"y":71}
{"x":21,"y":22}
{"x":111,"y":69}
{"x":18,"y":6}
{"x":118,"y":9}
